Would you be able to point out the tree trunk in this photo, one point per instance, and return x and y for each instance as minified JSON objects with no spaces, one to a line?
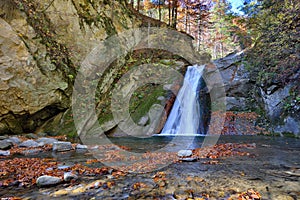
{"x":186,"y":19}
{"x":132,"y":3}
{"x":159,"y":10}
{"x":174,"y":14}
{"x":169,"y":12}
{"x":138,"y":5}
{"x":199,"y":29}
{"x":175,"y":17}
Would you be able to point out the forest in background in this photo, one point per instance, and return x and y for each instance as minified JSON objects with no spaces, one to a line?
{"x":268,"y":29}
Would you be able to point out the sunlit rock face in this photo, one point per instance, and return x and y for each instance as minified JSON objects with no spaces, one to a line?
{"x":27,"y":93}
{"x":41,"y":47}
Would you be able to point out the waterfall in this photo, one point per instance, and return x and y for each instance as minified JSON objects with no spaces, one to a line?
{"x":184,"y":118}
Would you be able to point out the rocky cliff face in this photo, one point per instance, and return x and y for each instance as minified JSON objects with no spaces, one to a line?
{"x":42,"y":44}
{"x":278,"y":112}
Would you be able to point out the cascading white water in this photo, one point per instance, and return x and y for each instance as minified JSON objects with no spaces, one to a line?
{"x":184,"y":118}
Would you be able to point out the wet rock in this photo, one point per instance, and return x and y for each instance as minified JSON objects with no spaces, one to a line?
{"x":29,"y":143}
{"x":31,"y":151}
{"x":31,"y":136}
{"x":48,"y":181}
{"x":184,"y":153}
{"x":3,"y":137}
{"x":81,"y":146}
{"x":14,"y":140}
{"x":143,"y":121}
{"x":4,"y":153}
{"x":68,"y":176}
{"x":5,"y":145}
{"x":46,"y":140}
{"x":62,"y":146}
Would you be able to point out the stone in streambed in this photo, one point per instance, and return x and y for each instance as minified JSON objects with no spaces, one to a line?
{"x":29,"y":143}
{"x":62,"y":146}
{"x":4,"y":153}
{"x":31,"y":151}
{"x":185,"y":153}
{"x":14,"y":140}
{"x":5,"y":145}
{"x":46,"y":140}
{"x":68,"y":176}
{"x":48,"y":181}
{"x":81,"y":146}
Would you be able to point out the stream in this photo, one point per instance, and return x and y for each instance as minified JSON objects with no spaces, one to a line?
{"x":272,"y":169}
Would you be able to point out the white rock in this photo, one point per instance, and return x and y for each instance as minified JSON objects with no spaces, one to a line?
{"x":184,"y":153}
{"x":48,"y":180}
{"x":4,"y":153}
{"x":80,"y":146}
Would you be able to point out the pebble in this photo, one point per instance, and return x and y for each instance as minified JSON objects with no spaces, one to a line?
{"x":29,"y":143}
{"x":184,"y":153}
{"x":48,"y":180}
{"x":62,"y":146}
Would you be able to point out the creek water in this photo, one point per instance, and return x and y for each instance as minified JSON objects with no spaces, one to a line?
{"x":273,"y":169}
